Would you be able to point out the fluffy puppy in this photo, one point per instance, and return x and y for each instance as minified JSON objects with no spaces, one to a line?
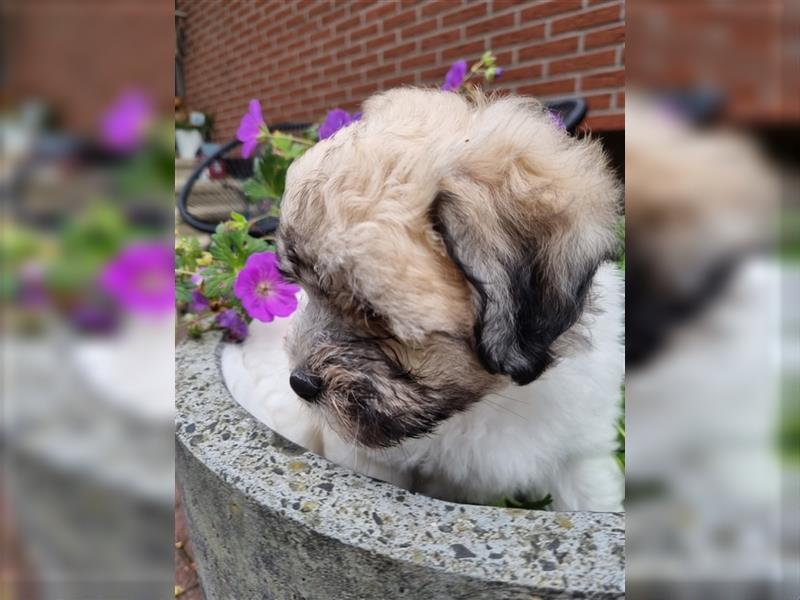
{"x":461,"y":335}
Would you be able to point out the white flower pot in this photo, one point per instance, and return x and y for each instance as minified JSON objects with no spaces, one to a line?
{"x":189,"y":142}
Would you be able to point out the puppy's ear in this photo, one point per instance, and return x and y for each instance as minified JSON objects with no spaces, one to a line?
{"x":530,"y":271}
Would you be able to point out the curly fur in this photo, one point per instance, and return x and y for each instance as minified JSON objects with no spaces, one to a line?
{"x":450,"y":249}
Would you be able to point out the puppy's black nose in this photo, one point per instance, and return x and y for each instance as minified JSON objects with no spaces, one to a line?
{"x":305,"y":385}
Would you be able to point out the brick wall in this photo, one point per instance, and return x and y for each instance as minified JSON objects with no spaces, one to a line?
{"x":303,"y":57}
{"x":78,"y":56}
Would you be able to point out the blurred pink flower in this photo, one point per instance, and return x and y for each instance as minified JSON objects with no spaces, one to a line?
{"x":263,"y":292}
{"x":125,"y":123}
{"x":250,"y":128}
{"x":142,"y":278}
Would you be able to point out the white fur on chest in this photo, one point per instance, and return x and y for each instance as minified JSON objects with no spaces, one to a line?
{"x":555,"y":435}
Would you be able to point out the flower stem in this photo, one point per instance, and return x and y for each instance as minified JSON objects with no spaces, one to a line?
{"x":266,"y":135}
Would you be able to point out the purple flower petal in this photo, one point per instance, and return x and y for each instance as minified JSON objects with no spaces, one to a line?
{"x":233,"y":323}
{"x":555,"y":119}
{"x":250,"y":128}
{"x":334,"y":121}
{"x":248,"y":147}
{"x":455,"y":76}
{"x":261,"y":289}
{"x":124,"y":125}
{"x":142,"y":278}
{"x":199,"y":302}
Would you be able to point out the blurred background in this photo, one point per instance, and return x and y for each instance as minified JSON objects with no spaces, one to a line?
{"x":712,"y":318}
{"x":108,"y":109}
{"x":87,"y":300}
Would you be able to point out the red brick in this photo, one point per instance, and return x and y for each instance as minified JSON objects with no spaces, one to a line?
{"x":369,"y":59}
{"x":403,"y":18}
{"x":399,"y":51}
{"x":320,"y":8}
{"x":441,"y":39}
{"x":465,"y":14}
{"x":379,"y":42}
{"x":604,"y":37}
{"x":362,"y":91}
{"x":383,"y":9}
{"x":323,"y":60}
{"x":598,"y":102}
{"x":364,"y":32}
{"x":490,"y":24}
{"x":498,"y":5}
{"x":549,"y":88}
{"x":435,"y":74}
{"x":603,"y":123}
{"x":469,"y":51}
{"x":350,"y":79}
{"x":393,"y":82}
{"x":603,"y":80}
{"x":436,"y":6}
{"x":378,"y":72}
{"x":546,"y":9}
{"x":518,"y":36}
{"x":425,"y":26}
{"x":554,"y":48}
{"x":621,"y":100}
{"x":414,"y":62}
{"x":347,"y":24}
{"x":519,"y":73}
{"x":607,"y":14}
{"x":582,"y":62}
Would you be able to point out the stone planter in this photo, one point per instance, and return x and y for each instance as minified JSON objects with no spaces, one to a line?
{"x":271,"y":520}
{"x":90,"y":482}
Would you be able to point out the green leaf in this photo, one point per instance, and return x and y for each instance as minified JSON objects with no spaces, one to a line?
{"x":256,"y":190}
{"x":218,"y":281}
{"x":183,"y":289}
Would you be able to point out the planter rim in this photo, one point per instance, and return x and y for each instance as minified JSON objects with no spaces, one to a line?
{"x":547,"y":552}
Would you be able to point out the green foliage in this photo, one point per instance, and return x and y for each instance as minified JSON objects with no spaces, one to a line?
{"x":86,"y":244}
{"x":516,"y":502}
{"x":269,"y":174}
{"x":231,"y":246}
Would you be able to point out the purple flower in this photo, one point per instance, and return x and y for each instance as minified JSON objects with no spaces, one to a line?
{"x":555,"y":119}
{"x":250,"y":128}
{"x":233,"y":323}
{"x":125,"y":124}
{"x":336,"y":120}
{"x":93,"y":317}
{"x":498,"y":72}
{"x":197,"y":278}
{"x":199,"y":302}
{"x":142,"y":278}
{"x":263,"y":292}
{"x":455,"y":76}
{"x":32,"y":291}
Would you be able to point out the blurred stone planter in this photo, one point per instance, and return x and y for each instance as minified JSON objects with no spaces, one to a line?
{"x":89,"y":482}
{"x":271,"y":520}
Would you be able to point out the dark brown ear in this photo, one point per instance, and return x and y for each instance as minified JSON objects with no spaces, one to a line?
{"x":523,"y":301}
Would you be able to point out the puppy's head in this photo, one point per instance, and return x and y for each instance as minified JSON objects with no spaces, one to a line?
{"x":444,"y":246}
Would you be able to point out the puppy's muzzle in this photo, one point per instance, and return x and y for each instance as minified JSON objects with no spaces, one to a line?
{"x":306,"y":385}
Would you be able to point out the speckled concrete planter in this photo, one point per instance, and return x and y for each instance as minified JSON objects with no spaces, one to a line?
{"x":270,"y":520}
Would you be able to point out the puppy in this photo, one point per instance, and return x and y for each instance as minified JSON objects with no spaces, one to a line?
{"x":461,"y":335}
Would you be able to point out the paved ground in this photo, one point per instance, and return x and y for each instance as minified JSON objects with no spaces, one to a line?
{"x":187,"y":585}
